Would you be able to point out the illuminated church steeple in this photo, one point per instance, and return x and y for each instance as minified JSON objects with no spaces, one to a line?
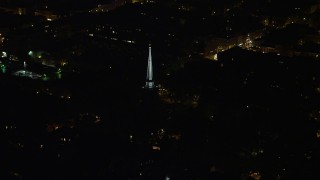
{"x":149,"y":80}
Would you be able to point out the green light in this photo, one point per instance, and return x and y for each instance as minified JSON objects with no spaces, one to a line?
{"x":59,"y":73}
{"x":45,"y":77}
{"x":3,"y":68}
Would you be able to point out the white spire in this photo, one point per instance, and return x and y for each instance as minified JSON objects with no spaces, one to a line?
{"x":149,"y":81}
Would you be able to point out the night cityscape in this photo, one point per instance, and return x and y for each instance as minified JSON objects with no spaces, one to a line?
{"x":160,"y":89}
